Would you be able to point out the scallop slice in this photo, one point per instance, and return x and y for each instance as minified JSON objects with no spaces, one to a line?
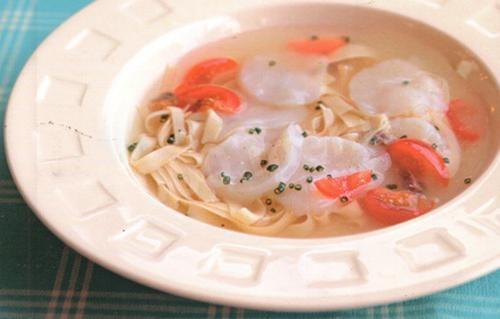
{"x":284,"y":79}
{"x":396,"y":87}
{"x":337,"y":157}
{"x":243,"y":152}
{"x":444,"y":140}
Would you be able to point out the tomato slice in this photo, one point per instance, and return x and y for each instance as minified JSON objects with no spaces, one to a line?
{"x":320,"y":45}
{"x":203,"y":97}
{"x":467,"y":121}
{"x":419,"y":159}
{"x":393,"y":207}
{"x":207,"y":72}
{"x":344,"y":185}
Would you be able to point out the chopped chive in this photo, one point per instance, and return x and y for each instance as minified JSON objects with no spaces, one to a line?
{"x":311,"y":170}
{"x":164,"y":118}
{"x":374,"y":177}
{"x":272,"y":167}
{"x":320,"y":168}
{"x":406,"y":82}
{"x":446,"y":160}
{"x":319,"y":105}
{"x":258,"y":130}
{"x":298,"y":187}
{"x":434,"y":145}
{"x":247,"y":175}
{"x":309,"y":179}
{"x":263,"y":163}
{"x":404,"y":136}
{"x":251,"y":131}
{"x":347,"y":39}
{"x":329,"y":176}
{"x":291,"y":185}
{"x":306,"y":167}
{"x":280,"y":189}
{"x":180,"y":177}
{"x":373,"y":140}
{"x":132,"y":147}
{"x":436,"y":127}
{"x":314,"y":37}
{"x":468,"y":180}
{"x":272,"y":63}
{"x":226,"y":180}
{"x":171,"y":139}
{"x":273,"y":210}
{"x":392,"y":186}
{"x":269,"y":201}
{"x":304,"y":134}
{"x":344,"y":199}
{"x":222,"y":174}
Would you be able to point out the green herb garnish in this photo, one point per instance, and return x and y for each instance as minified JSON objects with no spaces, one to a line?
{"x":132,"y":147}
{"x":392,"y":186}
{"x":298,"y":187}
{"x":280,"y":189}
{"x":406,"y":82}
{"x":320,"y":168}
{"x":269,"y":201}
{"x":180,"y":177}
{"x":309,"y":179}
{"x":374,"y":177}
{"x":304,"y":134}
{"x":272,"y":167}
{"x":226,"y":180}
{"x":446,"y":160}
{"x":468,"y":180}
{"x":171,"y":139}
{"x":404,"y":136}
{"x":272,"y":63}
{"x":263,"y":163}
{"x":258,"y":130}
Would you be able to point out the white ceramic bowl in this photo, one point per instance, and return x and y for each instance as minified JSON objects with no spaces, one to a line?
{"x":66,"y":129}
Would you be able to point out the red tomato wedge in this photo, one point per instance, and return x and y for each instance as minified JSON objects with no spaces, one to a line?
{"x":343,"y":185}
{"x":467,"y":121}
{"x":419,"y":159}
{"x":321,"y":45}
{"x":393,"y":207}
{"x":203,"y":97}
{"x":207,"y":72}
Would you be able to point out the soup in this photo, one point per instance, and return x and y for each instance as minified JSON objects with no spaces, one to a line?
{"x":311,"y":133}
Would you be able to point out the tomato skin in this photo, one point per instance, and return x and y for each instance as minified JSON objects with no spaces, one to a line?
{"x":206,"y":72}
{"x":334,"y":188}
{"x":467,"y":121}
{"x":202,"y":97}
{"x":419,"y":159}
{"x":394,"y":207}
{"x":319,"y":46}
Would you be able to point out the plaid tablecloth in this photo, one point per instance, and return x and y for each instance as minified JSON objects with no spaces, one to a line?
{"x":40,"y":277}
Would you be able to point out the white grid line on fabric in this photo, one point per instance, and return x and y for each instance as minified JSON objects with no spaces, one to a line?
{"x":8,"y":39}
{"x":15,"y":53}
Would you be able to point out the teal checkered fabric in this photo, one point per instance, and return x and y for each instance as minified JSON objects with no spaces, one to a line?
{"x":42,"y":278}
